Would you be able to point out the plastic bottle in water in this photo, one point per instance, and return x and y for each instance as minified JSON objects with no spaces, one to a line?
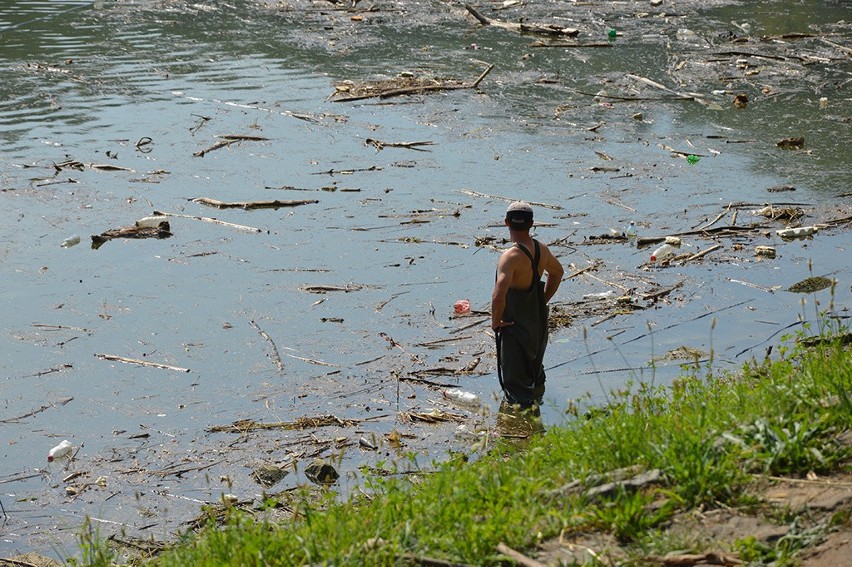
{"x":152,"y":221}
{"x":631,"y":233}
{"x":71,"y":241}
{"x":662,"y":253}
{"x":462,"y":397}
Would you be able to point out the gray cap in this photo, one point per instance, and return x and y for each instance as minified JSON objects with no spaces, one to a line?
{"x":519,"y":212}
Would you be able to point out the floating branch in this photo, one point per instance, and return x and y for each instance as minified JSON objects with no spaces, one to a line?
{"x":34,"y":412}
{"x":125,"y":360}
{"x":210,"y":220}
{"x":328,"y":288}
{"x":276,"y":204}
{"x":702,"y":253}
{"x":379,"y":145}
{"x":246,"y":425}
{"x":227,"y":140}
{"x":574,"y":44}
{"x":349,"y":90}
{"x":656,"y":85}
{"x":541,"y":29}
{"x":508,"y":199}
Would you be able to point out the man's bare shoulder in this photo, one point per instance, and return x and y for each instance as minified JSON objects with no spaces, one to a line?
{"x":511,"y":254}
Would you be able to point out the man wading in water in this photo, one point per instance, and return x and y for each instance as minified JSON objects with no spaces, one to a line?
{"x":519,"y":309}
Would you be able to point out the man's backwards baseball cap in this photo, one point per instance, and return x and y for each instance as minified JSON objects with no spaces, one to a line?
{"x":519,"y":213}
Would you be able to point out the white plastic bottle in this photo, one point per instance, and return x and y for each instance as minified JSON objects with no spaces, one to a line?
{"x":153,"y":221}
{"x":663,"y":252}
{"x":60,"y":451}
{"x":631,"y":233}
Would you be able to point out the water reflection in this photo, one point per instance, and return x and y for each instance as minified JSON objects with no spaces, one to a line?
{"x":518,"y":424}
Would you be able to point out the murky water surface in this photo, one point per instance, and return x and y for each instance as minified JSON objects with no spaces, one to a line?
{"x":144,"y":86}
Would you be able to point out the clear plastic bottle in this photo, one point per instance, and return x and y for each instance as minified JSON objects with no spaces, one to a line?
{"x":462,"y":397}
{"x":631,"y":233}
{"x":663,"y":252}
{"x":71,"y":241}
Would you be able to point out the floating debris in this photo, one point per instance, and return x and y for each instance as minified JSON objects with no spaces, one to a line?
{"x":163,"y":230}
{"x":320,"y":472}
{"x":764,"y":251}
{"x":798,"y":232}
{"x":268,"y":475}
{"x":792,"y":143}
{"x":812,"y":284}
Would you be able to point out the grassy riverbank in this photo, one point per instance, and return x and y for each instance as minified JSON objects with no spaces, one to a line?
{"x":622,"y":485}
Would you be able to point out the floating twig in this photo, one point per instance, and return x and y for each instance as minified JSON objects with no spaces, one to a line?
{"x":469,"y":325}
{"x":755,"y":286}
{"x":312,"y":361}
{"x":328,"y":288}
{"x":227,"y":140}
{"x":443,"y":341}
{"x":35,"y":411}
{"x":570,"y":44}
{"x":702,"y":253}
{"x":379,"y":145}
{"x":275,"y":355}
{"x":126,"y":360}
{"x":509,"y":199}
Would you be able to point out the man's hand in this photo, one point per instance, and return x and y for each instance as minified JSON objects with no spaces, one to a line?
{"x":497,"y":327}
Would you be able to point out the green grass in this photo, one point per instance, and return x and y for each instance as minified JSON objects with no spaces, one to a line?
{"x":709,"y":436}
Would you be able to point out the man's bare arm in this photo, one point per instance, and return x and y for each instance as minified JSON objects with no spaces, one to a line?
{"x":555,"y":271}
{"x":498,"y":296}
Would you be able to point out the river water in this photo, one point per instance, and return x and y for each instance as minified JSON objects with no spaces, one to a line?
{"x":344,"y":306}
